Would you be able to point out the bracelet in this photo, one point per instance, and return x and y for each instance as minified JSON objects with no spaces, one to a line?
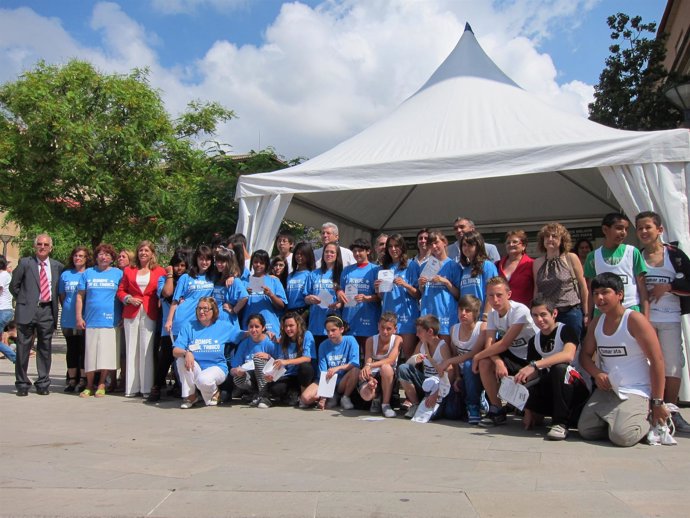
{"x":168,"y":276}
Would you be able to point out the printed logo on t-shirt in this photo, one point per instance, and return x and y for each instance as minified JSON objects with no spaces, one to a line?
{"x":624,"y":278}
{"x":470,"y":281}
{"x":519,"y":342}
{"x":656,"y":279}
{"x":613,"y":351}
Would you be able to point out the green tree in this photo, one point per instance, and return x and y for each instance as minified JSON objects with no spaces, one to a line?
{"x":97,"y":153}
{"x":630,"y":90}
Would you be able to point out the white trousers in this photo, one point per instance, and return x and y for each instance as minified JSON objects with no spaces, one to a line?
{"x":139,"y":339}
{"x":206,"y":380}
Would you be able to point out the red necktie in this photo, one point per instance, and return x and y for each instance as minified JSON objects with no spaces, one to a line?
{"x":45,"y":285}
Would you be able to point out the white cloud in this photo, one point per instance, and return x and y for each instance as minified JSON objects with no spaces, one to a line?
{"x":321,"y":74}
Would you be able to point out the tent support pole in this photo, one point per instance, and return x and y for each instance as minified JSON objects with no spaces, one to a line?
{"x":589,"y":191}
{"x":341,"y":217}
{"x":395,"y":210}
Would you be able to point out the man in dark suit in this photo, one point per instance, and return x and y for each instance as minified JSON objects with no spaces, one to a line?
{"x":34,"y":285}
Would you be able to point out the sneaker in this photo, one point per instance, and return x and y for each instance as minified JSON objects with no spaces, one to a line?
{"x":293,"y":398}
{"x":558,"y":432}
{"x":388,"y":411}
{"x":333,"y":401}
{"x":264,"y":403}
{"x":411,"y":411}
{"x":484,"y":403}
{"x":375,"y":406}
{"x":474,"y":415}
{"x":494,"y":417}
{"x":248,"y":398}
{"x":680,"y":424}
{"x":346,"y":403}
{"x":302,"y":404}
{"x":255,"y":402}
{"x":189,"y":403}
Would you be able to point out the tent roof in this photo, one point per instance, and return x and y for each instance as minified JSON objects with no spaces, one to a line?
{"x":468,"y":122}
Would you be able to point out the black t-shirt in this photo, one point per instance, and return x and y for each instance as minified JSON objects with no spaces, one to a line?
{"x":547,"y":342}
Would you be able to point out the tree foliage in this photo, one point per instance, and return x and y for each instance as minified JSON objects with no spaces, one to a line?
{"x":630,"y":90}
{"x":97,"y":153}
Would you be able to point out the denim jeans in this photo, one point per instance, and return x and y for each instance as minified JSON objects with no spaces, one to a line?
{"x":8,"y":352}
{"x":6,"y":315}
{"x":472,"y":384}
{"x":572,"y":318}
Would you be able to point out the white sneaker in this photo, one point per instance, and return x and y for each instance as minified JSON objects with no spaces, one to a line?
{"x":375,"y":406}
{"x":388,"y":411}
{"x":346,"y":403}
{"x":557,"y":433}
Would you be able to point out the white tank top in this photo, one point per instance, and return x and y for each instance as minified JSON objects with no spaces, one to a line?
{"x":667,"y":308}
{"x":429,"y":369}
{"x":621,"y":355}
{"x":376,"y":357}
{"x":625,"y":269}
{"x":462,"y":347}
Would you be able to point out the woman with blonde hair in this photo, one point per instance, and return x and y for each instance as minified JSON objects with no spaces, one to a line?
{"x":138,"y":293}
{"x":559,"y":278}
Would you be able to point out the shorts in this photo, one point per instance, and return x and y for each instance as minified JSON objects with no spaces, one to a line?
{"x":101,"y":349}
{"x":671,"y":339}
{"x":513,"y":363}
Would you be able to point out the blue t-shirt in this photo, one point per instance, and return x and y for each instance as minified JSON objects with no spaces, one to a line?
{"x":308,"y":349}
{"x":67,"y":286}
{"x":207,"y":343}
{"x":187,"y":293}
{"x":317,"y":315}
{"x":438,"y":301}
{"x":261,"y":303}
{"x":298,"y":286}
{"x":399,"y":301}
{"x":363,"y":317}
{"x":102,"y":308}
{"x":332,"y":355}
{"x":248,"y":348}
{"x":477,"y":285}
{"x":232,"y":295}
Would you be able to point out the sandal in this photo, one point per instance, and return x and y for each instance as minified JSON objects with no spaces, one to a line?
{"x":100,"y":392}
{"x":214,"y":398}
{"x":86,"y":393}
{"x":71,"y":385}
{"x":189,"y":402}
{"x":82,"y":384}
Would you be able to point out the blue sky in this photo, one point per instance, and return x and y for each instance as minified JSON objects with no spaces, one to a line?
{"x":336,"y":65}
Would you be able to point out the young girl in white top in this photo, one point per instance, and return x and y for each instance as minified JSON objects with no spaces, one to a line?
{"x":381,"y":356}
{"x":467,"y":339}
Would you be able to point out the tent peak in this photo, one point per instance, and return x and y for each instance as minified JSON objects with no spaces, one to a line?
{"x":468,"y":27}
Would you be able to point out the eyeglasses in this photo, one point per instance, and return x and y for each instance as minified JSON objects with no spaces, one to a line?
{"x":203,"y":309}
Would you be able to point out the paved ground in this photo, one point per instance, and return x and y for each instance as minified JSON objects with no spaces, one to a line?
{"x":64,"y":456}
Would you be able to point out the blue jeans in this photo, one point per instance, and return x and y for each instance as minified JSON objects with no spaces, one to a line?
{"x":572,"y":318}
{"x":6,"y":315}
{"x":7,"y":351}
{"x":472,"y":384}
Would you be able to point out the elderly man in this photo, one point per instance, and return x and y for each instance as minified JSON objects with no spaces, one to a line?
{"x":462,"y":225}
{"x":329,"y":234}
{"x":380,"y":247}
{"x":34,"y":285}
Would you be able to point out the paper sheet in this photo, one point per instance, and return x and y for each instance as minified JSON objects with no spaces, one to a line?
{"x":513,"y":393}
{"x":249,"y":366}
{"x":431,"y":268}
{"x":326,"y":299}
{"x":270,"y":369}
{"x":350,"y":293}
{"x":327,"y":388}
{"x":386,"y":277}
{"x":256,"y":284}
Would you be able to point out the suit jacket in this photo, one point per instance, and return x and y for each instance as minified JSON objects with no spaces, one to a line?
{"x":26,"y":288}
{"x":129,"y":286}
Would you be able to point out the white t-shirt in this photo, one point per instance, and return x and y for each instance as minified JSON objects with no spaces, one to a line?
{"x":667,"y":308}
{"x":5,"y":295}
{"x":517,"y":314}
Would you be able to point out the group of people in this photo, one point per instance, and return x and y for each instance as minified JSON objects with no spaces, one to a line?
{"x":594,"y":335}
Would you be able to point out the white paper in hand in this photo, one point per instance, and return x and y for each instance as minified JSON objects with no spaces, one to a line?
{"x":269,"y":368}
{"x":386,"y":277}
{"x":327,"y":387}
{"x":513,"y":393}
{"x":326,"y":299}
{"x":350,"y":294}
{"x":248,"y":366}
{"x":431,"y":268}
{"x":256,"y":284}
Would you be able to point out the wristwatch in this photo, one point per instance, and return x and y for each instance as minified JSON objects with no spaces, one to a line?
{"x":533,"y":363}
{"x":657,"y":402}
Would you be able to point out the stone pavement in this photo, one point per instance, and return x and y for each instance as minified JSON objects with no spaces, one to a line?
{"x":64,"y":456}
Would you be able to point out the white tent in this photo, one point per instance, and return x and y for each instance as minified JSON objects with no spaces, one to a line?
{"x":471,"y":142}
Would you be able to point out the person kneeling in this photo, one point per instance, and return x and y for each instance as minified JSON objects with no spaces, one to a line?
{"x":200,"y":353}
{"x":378,"y":374}
{"x":631,"y":369}
{"x":556,"y":388}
